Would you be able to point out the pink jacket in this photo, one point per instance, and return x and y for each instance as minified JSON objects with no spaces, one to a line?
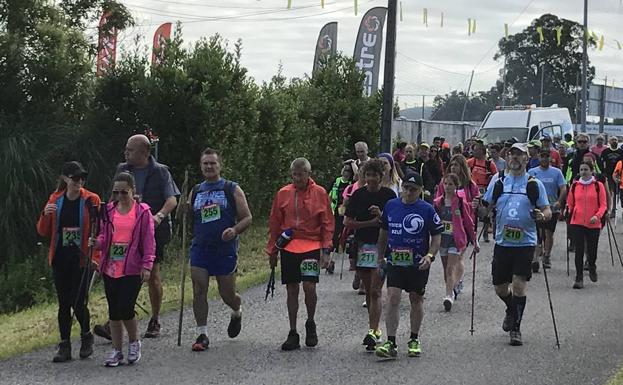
{"x":584,"y":203}
{"x":462,"y":225}
{"x":469,"y":194}
{"x":142,"y":248}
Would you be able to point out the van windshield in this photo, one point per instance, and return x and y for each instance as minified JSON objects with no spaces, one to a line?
{"x":500,"y":135}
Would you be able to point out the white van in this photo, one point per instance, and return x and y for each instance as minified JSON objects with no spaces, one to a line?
{"x":525,"y":123}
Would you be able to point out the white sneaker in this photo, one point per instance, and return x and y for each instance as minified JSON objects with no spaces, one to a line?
{"x":447,"y":303}
{"x":134,"y":352}
{"x":364,"y":304}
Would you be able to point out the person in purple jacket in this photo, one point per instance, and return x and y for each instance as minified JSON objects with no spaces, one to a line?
{"x":128,"y":247}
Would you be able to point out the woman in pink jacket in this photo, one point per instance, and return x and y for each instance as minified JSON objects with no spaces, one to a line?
{"x":128,"y":247}
{"x":587,"y":205}
{"x":456,"y":216}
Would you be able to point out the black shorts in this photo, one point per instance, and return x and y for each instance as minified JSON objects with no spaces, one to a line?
{"x":509,"y":261}
{"x":303,"y":267}
{"x":163,"y":237}
{"x":121,"y":295}
{"x":548,"y":225}
{"x":409,"y":279}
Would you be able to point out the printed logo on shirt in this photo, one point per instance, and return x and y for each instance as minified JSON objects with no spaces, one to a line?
{"x":414,"y":223}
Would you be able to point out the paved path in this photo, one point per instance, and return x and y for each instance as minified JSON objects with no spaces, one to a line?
{"x":589,"y":323}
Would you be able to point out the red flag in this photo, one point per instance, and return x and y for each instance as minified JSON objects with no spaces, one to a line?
{"x":107,"y":46}
{"x":163,"y":33}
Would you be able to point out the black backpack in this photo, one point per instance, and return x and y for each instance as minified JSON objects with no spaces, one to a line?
{"x":532,"y":189}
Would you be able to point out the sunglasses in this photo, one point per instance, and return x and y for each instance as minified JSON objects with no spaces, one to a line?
{"x":120,"y":192}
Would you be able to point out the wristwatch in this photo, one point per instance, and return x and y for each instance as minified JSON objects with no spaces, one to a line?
{"x":432,"y":257}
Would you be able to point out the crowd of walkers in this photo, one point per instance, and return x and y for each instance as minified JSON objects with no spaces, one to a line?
{"x":390,"y":215}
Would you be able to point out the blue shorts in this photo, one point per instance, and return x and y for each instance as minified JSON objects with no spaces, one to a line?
{"x":217,"y":260}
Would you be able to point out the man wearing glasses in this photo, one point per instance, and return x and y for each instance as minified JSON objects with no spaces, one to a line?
{"x":572,"y":166}
{"x":154,"y":186}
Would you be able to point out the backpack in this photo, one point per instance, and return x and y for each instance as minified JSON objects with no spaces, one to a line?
{"x":597,"y":188}
{"x":532,"y":189}
{"x":487,"y":166}
{"x":228,"y":188}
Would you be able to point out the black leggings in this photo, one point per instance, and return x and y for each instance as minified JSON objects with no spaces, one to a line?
{"x":589,"y":238}
{"x":67,"y":278}
{"x":121,"y":294}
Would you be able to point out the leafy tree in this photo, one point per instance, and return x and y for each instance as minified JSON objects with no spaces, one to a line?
{"x":450,"y":106}
{"x":526,"y":57}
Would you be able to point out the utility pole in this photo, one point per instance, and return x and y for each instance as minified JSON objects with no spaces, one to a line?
{"x":504,"y":86}
{"x":542,"y":75}
{"x":469,"y":88}
{"x":388,"y":77}
{"x":577,"y":96}
{"x":602,"y":106}
{"x":585,"y":67}
{"x":423,"y":101}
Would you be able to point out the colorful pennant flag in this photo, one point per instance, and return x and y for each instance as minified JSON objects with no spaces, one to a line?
{"x":601,"y":42}
{"x":322,"y":4}
{"x":506,"y":30}
{"x":540,"y":32}
{"x":441,"y":19}
{"x":618,"y":44}
{"x":474,"y":26}
{"x":558,"y":34}
{"x":469,"y":27}
{"x":425,"y":17}
{"x":356,"y":7}
{"x":289,"y":4}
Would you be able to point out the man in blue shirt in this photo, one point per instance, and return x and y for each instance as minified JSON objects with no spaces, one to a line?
{"x":556,"y":188}
{"x":515,"y":235}
{"x":410,"y":236}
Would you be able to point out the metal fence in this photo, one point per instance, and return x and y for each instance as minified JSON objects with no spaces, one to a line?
{"x":418,"y":131}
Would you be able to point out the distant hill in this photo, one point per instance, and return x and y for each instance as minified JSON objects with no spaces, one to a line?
{"x":416,"y":113}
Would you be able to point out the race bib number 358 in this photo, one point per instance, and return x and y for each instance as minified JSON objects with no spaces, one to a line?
{"x":310,"y":268}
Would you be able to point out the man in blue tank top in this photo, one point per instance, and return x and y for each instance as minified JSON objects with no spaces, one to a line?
{"x":220,"y":213}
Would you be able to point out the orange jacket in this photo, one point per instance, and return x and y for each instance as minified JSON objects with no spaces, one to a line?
{"x":584,"y":203}
{"x":47,"y":226}
{"x":618,"y":169}
{"x":307,"y":213}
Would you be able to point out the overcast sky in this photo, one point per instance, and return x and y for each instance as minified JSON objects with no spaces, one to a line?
{"x":431,"y":60}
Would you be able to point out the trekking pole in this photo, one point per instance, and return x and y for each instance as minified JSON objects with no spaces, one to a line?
{"x":610,"y":244}
{"x":342,"y":243}
{"x":551,"y":308}
{"x":87,"y":263}
{"x":568,"y":255}
{"x":616,"y":243}
{"x":182,"y":210}
{"x":473,"y":257}
{"x":342,"y":254}
{"x":270,"y":287}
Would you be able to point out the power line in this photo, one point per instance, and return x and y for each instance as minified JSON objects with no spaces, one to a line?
{"x":432,"y":66}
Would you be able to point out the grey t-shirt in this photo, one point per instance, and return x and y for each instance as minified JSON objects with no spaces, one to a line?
{"x":447,"y":239}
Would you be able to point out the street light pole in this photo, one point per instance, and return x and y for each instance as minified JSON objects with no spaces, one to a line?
{"x":388,"y":77}
{"x":584,"y":67}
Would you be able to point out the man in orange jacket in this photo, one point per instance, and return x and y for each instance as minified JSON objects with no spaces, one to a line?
{"x":301,"y":231}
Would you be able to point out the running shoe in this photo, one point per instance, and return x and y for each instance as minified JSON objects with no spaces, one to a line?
{"x":516,"y":338}
{"x":592,"y":274}
{"x":201,"y":344}
{"x":415,"y":350}
{"x":115,"y":358}
{"x":372,"y":339}
{"x":134,"y":352}
{"x":507,"y":324}
{"x":535,"y":267}
{"x":447,"y":303}
{"x":356,"y":281}
{"x":331,"y":268}
{"x":311,"y":338}
{"x":364,"y":304}
{"x":458,"y":289}
{"x":387,"y":350}
{"x":362,"y":290}
{"x":547,"y":262}
{"x":586,"y":267}
{"x":63,"y":353}
{"x":153,"y":329}
{"x":235,"y":324}
{"x":578,"y":284}
{"x":103,"y":331}
{"x":292,"y":342}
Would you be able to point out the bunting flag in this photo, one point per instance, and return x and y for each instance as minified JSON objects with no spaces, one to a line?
{"x":106,"y":46}
{"x":289,"y":4}
{"x":594,"y":36}
{"x":601,"y":42}
{"x":539,"y":30}
{"x":441,"y":19}
{"x":474,"y":26}
{"x":558,"y":35}
{"x":618,"y":44}
{"x":506,"y":30}
{"x":161,"y":36}
{"x":356,"y":7}
{"x":425,"y":17}
{"x":322,"y":4}
{"x":401,"y":11}
{"x":469,"y":27}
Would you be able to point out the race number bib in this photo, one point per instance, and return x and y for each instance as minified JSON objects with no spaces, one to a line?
{"x":310,"y":268}
{"x":513,"y":234}
{"x":402,"y":256}
{"x":71,"y":236}
{"x":117,"y":251}
{"x":210,"y":213}
{"x":447,"y":227}
{"x":368,"y":255}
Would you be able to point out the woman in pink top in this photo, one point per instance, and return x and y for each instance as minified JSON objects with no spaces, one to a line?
{"x":128,"y":247}
{"x":587,"y":206}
